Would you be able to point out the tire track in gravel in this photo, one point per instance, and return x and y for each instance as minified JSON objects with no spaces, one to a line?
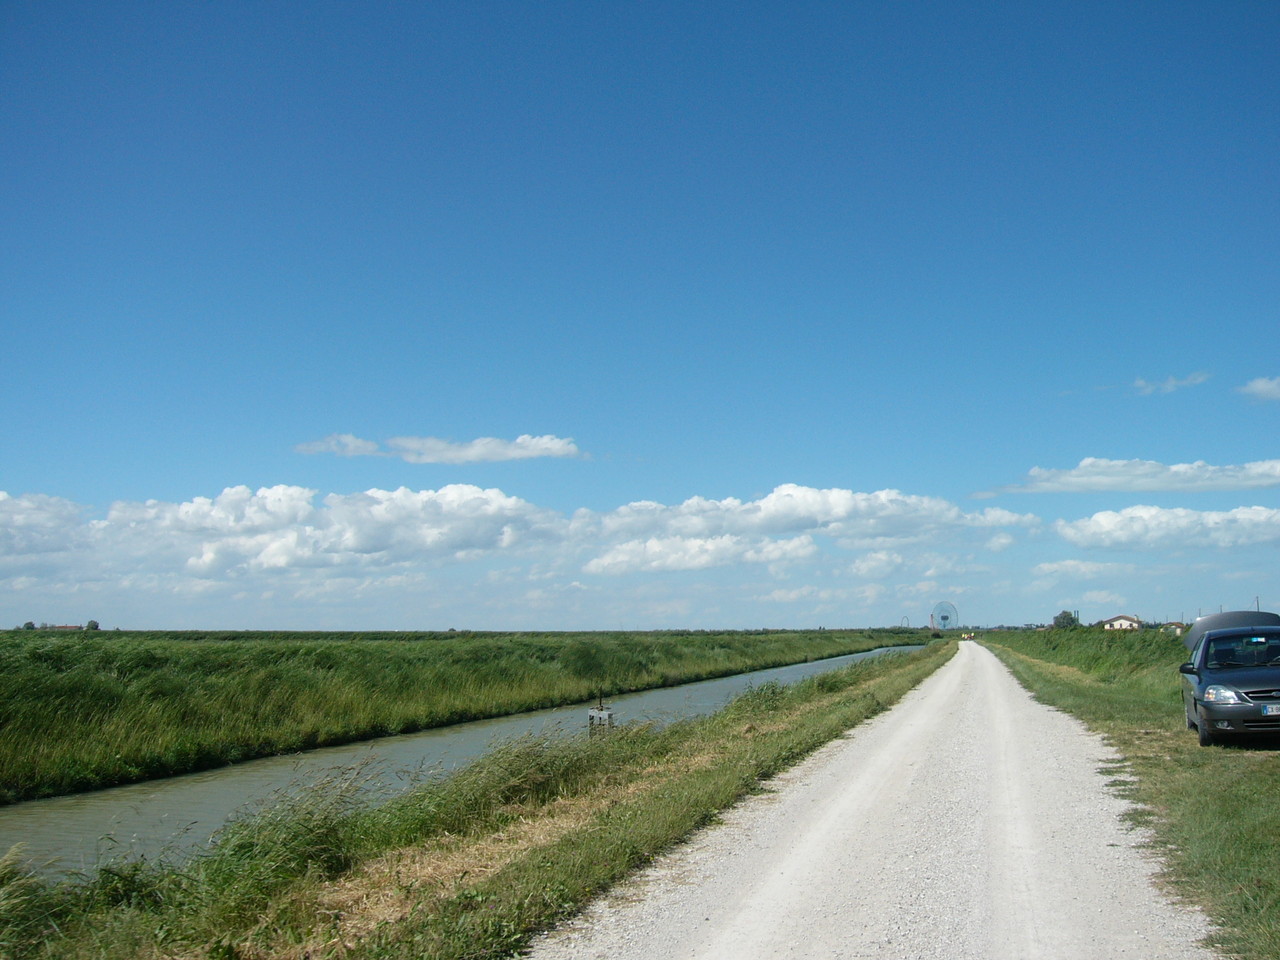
{"x":967,"y":823}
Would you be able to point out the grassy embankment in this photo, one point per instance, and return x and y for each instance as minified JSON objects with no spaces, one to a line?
{"x":467,"y":867}
{"x":1213,"y":812}
{"x":86,"y":710}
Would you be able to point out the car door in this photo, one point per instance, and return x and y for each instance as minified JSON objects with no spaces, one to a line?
{"x":1191,"y":683}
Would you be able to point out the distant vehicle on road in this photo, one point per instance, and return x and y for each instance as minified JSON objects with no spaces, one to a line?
{"x":1231,"y":684}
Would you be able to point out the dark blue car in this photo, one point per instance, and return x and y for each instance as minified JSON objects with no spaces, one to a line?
{"x":1231,"y":684}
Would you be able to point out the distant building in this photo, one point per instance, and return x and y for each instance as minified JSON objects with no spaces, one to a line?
{"x":1175,"y":628}
{"x":1122,"y":622}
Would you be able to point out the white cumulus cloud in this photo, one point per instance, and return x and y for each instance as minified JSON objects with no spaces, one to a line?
{"x":482,"y":450}
{"x":1147,"y":527}
{"x":291,"y":552}
{"x":696,"y":553}
{"x":1081,"y":569}
{"x":282,"y":527}
{"x":35,"y":523}
{"x":859,"y":519}
{"x":342,"y":444}
{"x":236,"y":509}
{"x":456,"y":519}
{"x":1000,"y":541}
{"x":1170,"y":384}
{"x":1262,"y":388}
{"x":878,"y":564}
{"x":434,"y":450}
{"x":1097,"y":474}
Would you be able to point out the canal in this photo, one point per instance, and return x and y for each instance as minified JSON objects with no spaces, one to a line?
{"x":172,"y":817}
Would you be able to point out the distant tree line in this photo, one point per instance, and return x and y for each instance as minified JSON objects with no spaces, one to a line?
{"x":31,"y":625}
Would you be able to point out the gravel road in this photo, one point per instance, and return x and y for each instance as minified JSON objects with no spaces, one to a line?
{"x":967,"y":822}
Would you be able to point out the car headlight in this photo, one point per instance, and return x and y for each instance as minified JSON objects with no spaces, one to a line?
{"x":1217,"y":693}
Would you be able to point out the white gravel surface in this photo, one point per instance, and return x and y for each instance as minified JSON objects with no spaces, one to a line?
{"x":967,"y":822}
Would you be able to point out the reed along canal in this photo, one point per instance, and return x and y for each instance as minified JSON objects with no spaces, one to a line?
{"x":170,"y":817}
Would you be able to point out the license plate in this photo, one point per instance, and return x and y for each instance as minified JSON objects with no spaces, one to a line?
{"x":1271,"y":709}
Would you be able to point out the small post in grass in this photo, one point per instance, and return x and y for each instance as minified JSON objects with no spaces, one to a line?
{"x":599,"y":718}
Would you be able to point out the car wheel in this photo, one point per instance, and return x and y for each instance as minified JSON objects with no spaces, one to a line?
{"x":1207,"y":738}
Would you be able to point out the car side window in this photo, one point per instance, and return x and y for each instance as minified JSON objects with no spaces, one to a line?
{"x":1199,"y":654}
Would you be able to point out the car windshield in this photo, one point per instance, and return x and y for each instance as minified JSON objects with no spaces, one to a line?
{"x":1256,"y":650}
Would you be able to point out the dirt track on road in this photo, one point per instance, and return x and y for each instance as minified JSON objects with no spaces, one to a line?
{"x":967,"y":822}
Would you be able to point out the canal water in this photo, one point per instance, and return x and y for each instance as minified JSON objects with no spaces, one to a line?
{"x":169,"y":818}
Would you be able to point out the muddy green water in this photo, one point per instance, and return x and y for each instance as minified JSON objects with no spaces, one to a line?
{"x":172,"y":817}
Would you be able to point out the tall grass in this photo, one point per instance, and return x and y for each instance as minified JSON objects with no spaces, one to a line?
{"x":87,"y":710}
{"x":1212,"y":811}
{"x":469,"y":866}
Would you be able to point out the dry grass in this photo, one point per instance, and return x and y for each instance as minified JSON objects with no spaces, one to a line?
{"x":390,"y":888}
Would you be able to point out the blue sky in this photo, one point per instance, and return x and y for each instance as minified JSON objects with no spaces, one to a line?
{"x":595,"y":315}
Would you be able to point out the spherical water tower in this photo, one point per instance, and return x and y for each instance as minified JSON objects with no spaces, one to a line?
{"x":944,"y":616}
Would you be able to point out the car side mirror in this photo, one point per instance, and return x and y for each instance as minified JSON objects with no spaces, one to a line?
{"x":1187,"y":668}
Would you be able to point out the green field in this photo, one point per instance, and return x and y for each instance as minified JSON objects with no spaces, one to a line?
{"x":85,"y":710}
{"x":1212,"y":811}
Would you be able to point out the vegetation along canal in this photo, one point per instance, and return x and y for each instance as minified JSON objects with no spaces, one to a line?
{"x":169,"y":816}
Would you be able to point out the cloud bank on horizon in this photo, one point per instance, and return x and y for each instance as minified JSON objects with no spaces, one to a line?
{"x":822,"y":550}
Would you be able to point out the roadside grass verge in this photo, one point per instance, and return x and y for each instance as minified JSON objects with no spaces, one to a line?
{"x":86,"y":710}
{"x":1213,"y":813}
{"x":468,"y":867}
